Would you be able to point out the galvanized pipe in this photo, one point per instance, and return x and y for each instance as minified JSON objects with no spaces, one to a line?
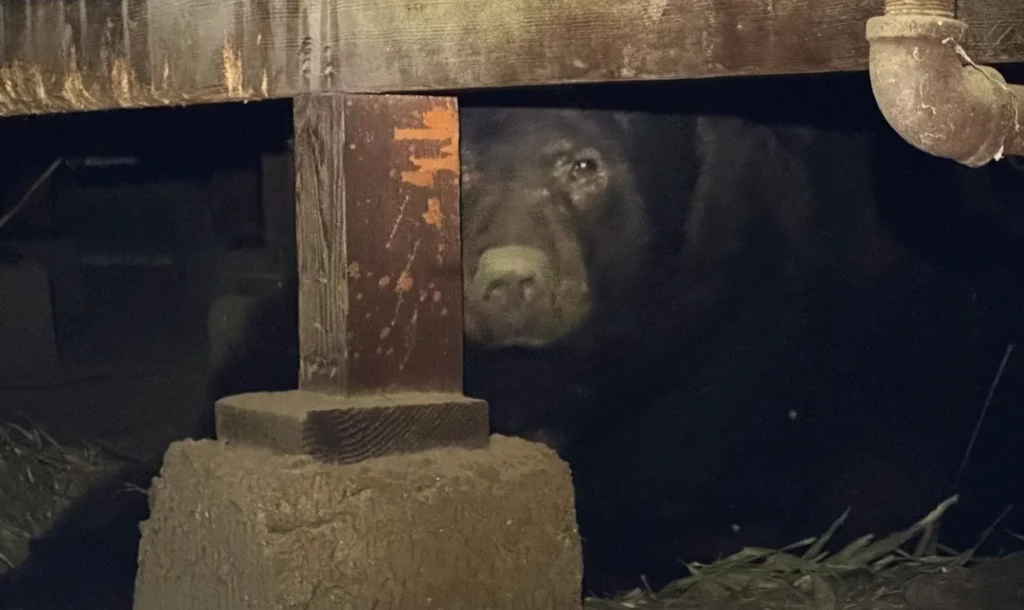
{"x":932,"y":94}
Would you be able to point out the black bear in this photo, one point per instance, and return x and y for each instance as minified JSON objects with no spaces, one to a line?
{"x":732,"y":328}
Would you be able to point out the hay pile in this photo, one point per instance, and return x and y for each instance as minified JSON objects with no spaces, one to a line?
{"x":865,"y":575}
{"x":39,"y":478}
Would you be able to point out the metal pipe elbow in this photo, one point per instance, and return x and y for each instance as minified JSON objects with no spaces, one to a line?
{"x":937,"y":99}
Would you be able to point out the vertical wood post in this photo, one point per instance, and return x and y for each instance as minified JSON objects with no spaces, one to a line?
{"x":377,"y":220}
{"x":380,"y":286}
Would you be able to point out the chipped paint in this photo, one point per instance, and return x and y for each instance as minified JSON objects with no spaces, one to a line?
{"x":404,"y":283}
{"x":353,"y":270}
{"x":433,"y":215}
{"x":398,"y":222}
{"x":411,"y":337}
{"x":441,"y":125}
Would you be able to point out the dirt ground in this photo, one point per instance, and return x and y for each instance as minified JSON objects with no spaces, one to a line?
{"x":133,"y":380}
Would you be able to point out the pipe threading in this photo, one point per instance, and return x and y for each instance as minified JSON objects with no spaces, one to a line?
{"x":937,"y":8}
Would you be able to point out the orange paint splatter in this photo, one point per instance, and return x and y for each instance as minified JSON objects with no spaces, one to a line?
{"x":440,"y":124}
{"x":433,"y":215}
{"x":404,"y":283}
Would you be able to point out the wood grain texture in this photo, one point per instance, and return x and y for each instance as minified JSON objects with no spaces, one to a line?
{"x":356,"y":432}
{"x":320,"y":204}
{"x":996,"y":29}
{"x":64,"y":55}
{"x":348,"y":429}
{"x":377,"y":215}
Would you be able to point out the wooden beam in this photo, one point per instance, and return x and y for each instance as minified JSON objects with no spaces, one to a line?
{"x":996,"y":31}
{"x":380,"y":271}
{"x":67,"y":55}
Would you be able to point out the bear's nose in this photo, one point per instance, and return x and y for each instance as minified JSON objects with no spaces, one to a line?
{"x":511,"y":289}
{"x":511,"y":282}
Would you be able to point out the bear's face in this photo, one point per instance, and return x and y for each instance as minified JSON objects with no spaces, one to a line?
{"x":553,"y":223}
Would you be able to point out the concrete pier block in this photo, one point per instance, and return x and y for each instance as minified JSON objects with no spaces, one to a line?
{"x":236,"y":526}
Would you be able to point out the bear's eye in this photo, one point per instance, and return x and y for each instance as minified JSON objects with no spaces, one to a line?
{"x":583,"y":168}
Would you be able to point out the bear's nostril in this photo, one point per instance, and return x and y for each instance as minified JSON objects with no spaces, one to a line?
{"x":511,"y":289}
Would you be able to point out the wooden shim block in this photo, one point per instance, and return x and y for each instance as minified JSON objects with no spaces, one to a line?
{"x":66,"y":55}
{"x":344,"y":430}
{"x":377,"y":217}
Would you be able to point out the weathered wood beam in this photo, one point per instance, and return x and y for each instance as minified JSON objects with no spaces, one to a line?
{"x":67,"y":55}
{"x":996,"y":33}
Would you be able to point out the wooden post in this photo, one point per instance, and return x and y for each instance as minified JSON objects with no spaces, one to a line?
{"x":380,"y":285}
{"x":380,"y":337}
{"x":377,"y":215}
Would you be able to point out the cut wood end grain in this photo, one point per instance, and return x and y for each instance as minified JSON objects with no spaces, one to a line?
{"x":346,"y":429}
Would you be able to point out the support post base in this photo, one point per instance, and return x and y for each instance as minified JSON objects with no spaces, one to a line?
{"x":237,"y":526}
